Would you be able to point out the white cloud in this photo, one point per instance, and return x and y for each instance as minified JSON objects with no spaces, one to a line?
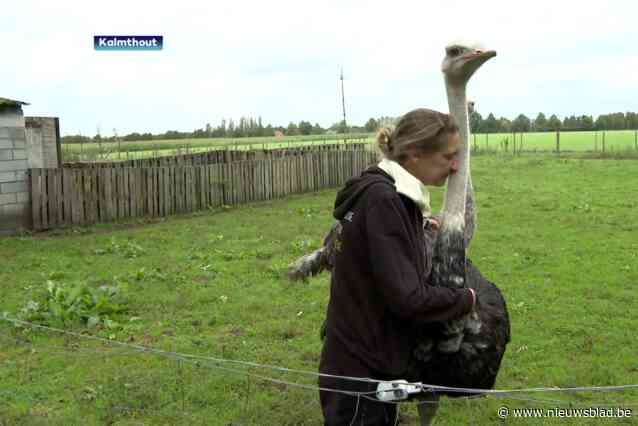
{"x":281,"y":59}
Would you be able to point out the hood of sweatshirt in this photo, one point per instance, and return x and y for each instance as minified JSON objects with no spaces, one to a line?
{"x":389,"y":173}
{"x":408,"y":185}
{"x":356,"y":186}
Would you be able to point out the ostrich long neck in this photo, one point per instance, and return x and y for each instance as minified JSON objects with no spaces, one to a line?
{"x":454,"y":206}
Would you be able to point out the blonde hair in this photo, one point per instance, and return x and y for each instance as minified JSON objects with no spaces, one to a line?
{"x":421,"y":129}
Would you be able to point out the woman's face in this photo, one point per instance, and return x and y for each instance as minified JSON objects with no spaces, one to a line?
{"x":434,"y":168}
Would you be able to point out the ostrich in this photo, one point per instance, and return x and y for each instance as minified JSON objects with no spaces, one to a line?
{"x":464,"y":353}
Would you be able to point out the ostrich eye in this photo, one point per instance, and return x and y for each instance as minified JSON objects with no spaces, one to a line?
{"x":453,"y":51}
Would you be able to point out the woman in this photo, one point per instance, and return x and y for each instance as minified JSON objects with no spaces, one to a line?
{"x":379,"y":289}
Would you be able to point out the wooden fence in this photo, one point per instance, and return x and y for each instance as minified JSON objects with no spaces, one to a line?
{"x":215,"y":156}
{"x":81,"y":196}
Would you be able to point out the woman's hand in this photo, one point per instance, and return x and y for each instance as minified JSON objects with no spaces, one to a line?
{"x":433,"y":223}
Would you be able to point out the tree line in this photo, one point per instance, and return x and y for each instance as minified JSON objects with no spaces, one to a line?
{"x":251,"y":127}
{"x":522,"y":123}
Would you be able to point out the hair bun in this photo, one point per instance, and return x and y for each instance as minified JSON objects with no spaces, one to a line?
{"x":384,"y":140}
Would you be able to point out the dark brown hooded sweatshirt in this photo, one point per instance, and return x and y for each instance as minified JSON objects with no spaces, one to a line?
{"x":379,"y":289}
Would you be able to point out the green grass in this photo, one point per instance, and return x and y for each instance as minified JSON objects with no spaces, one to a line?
{"x":557,"y":235}
{"x":617,"y":140}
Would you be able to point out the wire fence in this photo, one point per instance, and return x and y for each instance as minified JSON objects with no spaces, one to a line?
{"x":109,"y":381}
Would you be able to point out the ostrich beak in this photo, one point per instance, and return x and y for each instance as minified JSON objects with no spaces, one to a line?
{"x":480,"y":55}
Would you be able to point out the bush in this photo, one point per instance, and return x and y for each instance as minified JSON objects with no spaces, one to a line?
{"x":62,"y":303}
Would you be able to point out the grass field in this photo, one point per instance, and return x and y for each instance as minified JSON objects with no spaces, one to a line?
{"x":617,"y":140}
{"x":614,"y":141}
{"x":557,"y":235}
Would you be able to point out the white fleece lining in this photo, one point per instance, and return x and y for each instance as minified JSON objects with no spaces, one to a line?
{"x":408,"y":185}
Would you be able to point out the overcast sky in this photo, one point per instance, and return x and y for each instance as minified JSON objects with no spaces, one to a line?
{"x":281,"y":60}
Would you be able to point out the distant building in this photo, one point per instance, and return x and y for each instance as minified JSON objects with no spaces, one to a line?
{"x":279,"y":134}
{"x":14,"y":195}
{"x":25,"y":143}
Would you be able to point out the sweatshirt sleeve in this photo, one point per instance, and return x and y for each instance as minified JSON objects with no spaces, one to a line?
{"x":394,"y":271}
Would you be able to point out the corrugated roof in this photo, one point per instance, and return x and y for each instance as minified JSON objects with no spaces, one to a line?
{"x":11,"y":102}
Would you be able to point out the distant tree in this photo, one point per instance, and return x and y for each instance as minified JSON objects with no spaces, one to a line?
{"x":521,"y":124}
{"x":230,"y":131}
{"x":305,"y":128}
{"x":618,"y":121}
{"x":504,"y":125}
{"x":339,"y":127}
{"x":385,"y":121}
{"x":132,"y":137}
{"x":586,"y":122}
{"x":540,"y":123}
{"x":490,"y":125}
{"x":292,"y":129}
{"x":317,"y":129}
{"x":554,"y":123}
{"x":476,"y":122}
{"x":371,"y":125}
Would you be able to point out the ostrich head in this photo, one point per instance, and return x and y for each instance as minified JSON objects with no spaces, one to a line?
{"x":462,"y":60}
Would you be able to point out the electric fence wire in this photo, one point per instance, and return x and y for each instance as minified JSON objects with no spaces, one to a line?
{"x":211,"y":361}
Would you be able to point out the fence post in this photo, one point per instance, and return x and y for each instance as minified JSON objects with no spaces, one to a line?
{"x":558,"y":141}
{"x":604,"y":141}
{"x":636,"y":139}
{"x":596,"y":141}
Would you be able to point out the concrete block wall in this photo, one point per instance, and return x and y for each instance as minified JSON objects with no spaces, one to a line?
{"x":43,"y":149}
{"x":15,"y":209}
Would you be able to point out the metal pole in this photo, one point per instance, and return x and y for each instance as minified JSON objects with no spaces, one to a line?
{"x":343,"y":104}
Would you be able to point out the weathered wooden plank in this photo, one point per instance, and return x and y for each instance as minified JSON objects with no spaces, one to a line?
{"x":35,"y":181}
{"x":130,"y":192}
{"x":140,"y":184}
{"x":202,"y":172}
{"x":67,"y":198}
{"x":59,"y":208}
{"x":179,"y":189}
{"x":156,"y":192}
{"x":77,"y":198}
{"x":112,"y":194}
{"x":212,"y":184}
{"x":149,"y":192}
{"x":124,"y":193}
{"x":127,"y":191}
{"x":183,"y":186}
{"x":189,"y":189}
{"x":165,"y":195}
{"x":171,"y":190}
{"x":79,"y":185}
{"x":159,"y":190}
{"x":89,"y":195}
{"x":51,"y":198}
{"x":223,"y":175}
{"x":258,"y":173}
